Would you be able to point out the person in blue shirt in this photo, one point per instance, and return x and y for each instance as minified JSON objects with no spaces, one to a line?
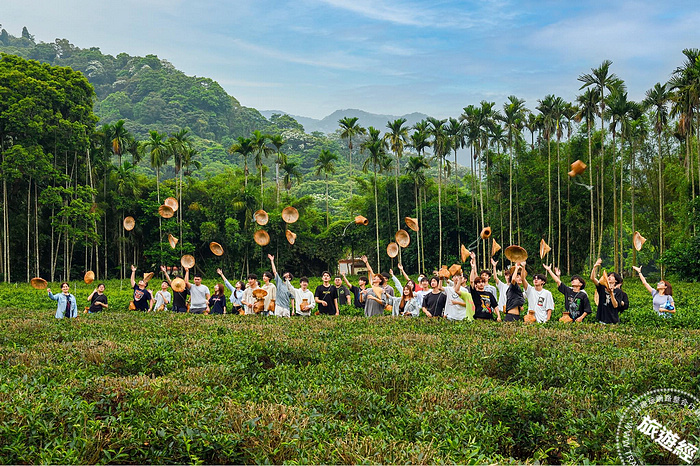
{"x":67,"y":305}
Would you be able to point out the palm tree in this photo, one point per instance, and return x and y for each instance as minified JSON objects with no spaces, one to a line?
{"x":457,"y":134}
{"x":420,"y":141}
{"x":348,"y":130}
{"x":657,"y":98}
{"x":559,"y":109}
{"x":376,"y":146}
{"x":397,"y":138}
{"x":547,"y":109}
{"x":277,"y":141}
{"x":119,"y":136}
{"x":291,"y":171}
{"x":261,"y":151}
{"x":513,"y":118}
{"x":415,"y":168}
{"x":325,"y":164}
{"x":243,"y":146}
{"x":160,"y":153}
{"x":441,"y":147}
{"x":588,"y":109}
{"x":180,"y":144}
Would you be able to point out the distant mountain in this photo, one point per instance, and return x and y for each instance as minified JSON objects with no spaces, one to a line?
{"x":330,"y":123}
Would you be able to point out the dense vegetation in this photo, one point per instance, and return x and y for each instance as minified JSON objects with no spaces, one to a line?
{"x":68,"y":182}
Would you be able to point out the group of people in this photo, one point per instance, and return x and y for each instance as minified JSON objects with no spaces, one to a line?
{"x":454,"y":296}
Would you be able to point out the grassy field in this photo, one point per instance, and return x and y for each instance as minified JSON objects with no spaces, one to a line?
{"x":125,"y":387}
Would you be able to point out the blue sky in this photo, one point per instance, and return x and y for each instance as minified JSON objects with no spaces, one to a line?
{"x":311,"y":57}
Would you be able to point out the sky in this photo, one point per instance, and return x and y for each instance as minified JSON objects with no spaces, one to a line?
{"x":312,"y":57}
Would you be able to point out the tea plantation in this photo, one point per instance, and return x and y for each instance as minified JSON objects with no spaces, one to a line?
{"x":125,"y":387}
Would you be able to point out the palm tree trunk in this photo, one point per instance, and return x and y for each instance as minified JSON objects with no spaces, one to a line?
{"x":510,"y":193}
{"x":602,"y":178}
{"x":549,"y":191}
{"x":661,"y":206}
{"x":440,"y":208}
{"x":558,"y":203}
{"x":29,"y":222}
{"x":327,"y":214}
{"x":398,"y":213}
{"x":376,"y":214}
{"x":591,"y":249}
{"x":459,"y":230}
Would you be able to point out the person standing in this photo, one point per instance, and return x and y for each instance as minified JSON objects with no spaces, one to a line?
{"x":459,"y":304}
{"x":539,"y":300}
{"x":179,"y":297}
{"x":248,"y":299}
{"x":284,"y":295}
{"x":162,"y":298}
{"x":98,"y":300}
{"x":357,"y":290}
{"x":271,"y":296}
{"x":199,"y":295}
{"x":611,"y":301}
{"x":236,"y":293}
{"x":404,"y":305}
{"x":662,"y":296}
{"x":217,"y":301}
{"x":66,"y":305}
{"x":142,"y":297}
{"x":326,"y":297}
{"x":433,"y":304}
{"x":515,"y":300}
{"x":576,"y":301}
{"x":303,"y":297}
{"x":341,"y":291}
{"x":501,"y":286}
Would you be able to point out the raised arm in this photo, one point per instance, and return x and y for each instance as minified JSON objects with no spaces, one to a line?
{"x":347,"y":282}
{"x":272,"y":264}
{"x":472,"y":274}
{"x":396,"y":281}
{"x":187,"y":278}
{"x":595,"y":266}
{"x":369,"y":268}
{"x":133,"y":275}
{"x":167,"y":277}
{"x":92,"y":294}
{"x":403,"y":272}
{"x":554,"y":276}
{"x":643,"y":280}
{"x":495,"y":272}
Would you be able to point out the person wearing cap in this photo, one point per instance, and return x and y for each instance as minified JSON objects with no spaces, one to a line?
{"x":326,"y":296}
{"x":179,"y":297}
{"x":98,"y":300}
{"x":576,"y":301}
{"x":539,"y":300}
{"x":662,"y":296}
{"x":66,"y":305}
{"x":304,"y":301}
{"x":199,"y":295}
{"x":284,"y":295}
{"x":162,"y":297}
{"x":142,"y":297}
{"x":611,"y":299}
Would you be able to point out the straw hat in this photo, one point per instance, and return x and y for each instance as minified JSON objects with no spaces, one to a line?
{"x":259,"y":293}
{"x":261,"y":237}
{"x":530,"y":318}
{"x":261,"y":217}
{"x":523,"y":272}
{"x":604,"y":280}
{"x":148,"y":276}
{"x":464,"y":254}
{"x":455,"y":269}
{"x":544,"y":248}
{"x":172,"y":203}
{"x":166,"y":211}
{"x":577,"y":168}
{"x":291,"y":236}
{"x":38,"y":283}
{"x":129,"y":223}
{"x":495,"y":247}
{"x":360,"y":220}
{"x":178,"y":284}
{"x":566,"y":318}
{"x":290,"y":214}
{"x":412,"y":223}
{"x":378,"y":290}
{"x":515,"y":253}
{"x":187,"y":261}
{"x":172,"y":240}
{"x":392,"y":249}
{"x":402,"y":238}
{"x":444,"y":272}
{"x":89,"y":277}
{"x":216,"y":248}
{"x":486,"y":233}
{"x":638,"y":241}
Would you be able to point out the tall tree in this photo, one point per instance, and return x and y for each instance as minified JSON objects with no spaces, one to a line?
{"x":160,"y":152}
{"x":349,"y":129}
{"x":441,"y":147}
{"x":457,"y":133}
{"x":261,"y":151}
{"x":243,"y":146}
{"x":375,"y":145}
{"x":325,"y":163}
{"x":397,"y":138}
{"x":588,"y":109}
{"x":277,"y":141}
{"x":415,"y":168}
{"x":513,"y":119}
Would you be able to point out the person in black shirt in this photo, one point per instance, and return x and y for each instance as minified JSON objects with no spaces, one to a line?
{"x":514,"y":295}
{"x":326,"y":296}
{"x":434,"y":301}
{"x":357,"y":290}
{"x":142,"y":296}
{"x":576,"y":301}
{"x":98,"y":300}
{"x":611,"y":299}
{"x":485,"y":303}
{"x":217,"y":301}
{"x":179,"y":297}
{"x":342,"y":291}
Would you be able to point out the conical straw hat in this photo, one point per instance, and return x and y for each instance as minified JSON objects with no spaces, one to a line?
{"x":402,"y":238}
{"x":495,"y":247}
{"x":291,"y":236}
{"x":259,"y":293}
{"x":412,"y":223}
{"x":392,"y":250}
{"x":172,"y":240}
{"x":166,"y":211}
{"x":178,"y":284}
{"x":216,"y":248}
{"x":187,"y":261}
{"x":455,"y":269}
{"x":566,"y":318}
{"x":544,"y":248}
{"x":444,"y":272}
{"x":129,"y":223}
{"x":486,"y":233}
{"x":261,"y":217}
{"x":172,"y":203}
{"x":360,"y":220}
{"x":577,"y":168}
{"x":604,"y":280}
{"x":89,"y":277}
{"x":148,"y":276}
{"x":290,"y":214}
{"x":464,"y":254}
{"x":638,"y":241}
{"x":38,"y":283}
{"x":262,"y":238}
{"x":515,"y":253}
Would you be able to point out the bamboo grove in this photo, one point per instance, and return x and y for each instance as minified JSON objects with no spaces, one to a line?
{"x":68,"y":181}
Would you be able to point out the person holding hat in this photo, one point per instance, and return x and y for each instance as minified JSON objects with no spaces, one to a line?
{"x":271,"y":296}
{"x":98,"y":300}
{"x":179,"y":296}
{"x":142,"y":297}
{"x":662,"y":296}
{"x":67,"y":306}
{"x":303,"y":297}
{"x":248,"y":299}
{"x":576,"y":301}
{"x":539,"y":300}
{"x":162,"y":298}
{"x":611,"y":299}
{"x":515,"y":299}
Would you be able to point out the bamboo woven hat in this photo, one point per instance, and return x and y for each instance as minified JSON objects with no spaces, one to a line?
{"x":515,"y":253}
{"x":291,"y":236}
{"x":261,"y":217}
{"x":495,"y":247}
{"x":129,"y":223}
{"x":523,"y":271}
{"x":38,"y":283}
{"x":412,"y":223}
{"x":444,"y":272}
{"x":402,"y":238}
{"x":360,"y":220}
{"x":166,"y":211}
{"x":638,"y":241}
{"x":187,"y":261}
{"x":172,"y":203}
{"x":530,"y":318}
{"x":216,"y":248}
{"x":259,"y":293}
{"x":566,"y":318}
{"x":392,"y":250}
{"x":89,"y":277}
{"x":485,"y":233}
{"x":148,"y":276}
{"x":463,"y":253}
{"x":455,"y":269}
{"x":604,"y":280}
{"x":290,"y":214}
{"x":544,"y":248}
{"x":178,"y":284}
{"x":261,"y":237}
{"x":577,"y":168}
{"x":172,"y":240}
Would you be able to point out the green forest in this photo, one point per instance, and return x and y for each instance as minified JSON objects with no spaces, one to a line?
{"x":87,"y":139}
